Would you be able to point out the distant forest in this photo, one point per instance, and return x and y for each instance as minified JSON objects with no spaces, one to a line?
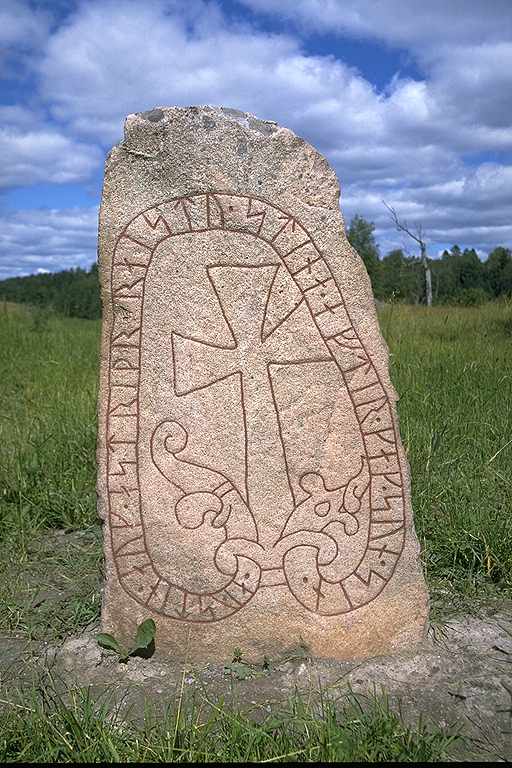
{"x":72,"y":292}
{"x":458,"y":277}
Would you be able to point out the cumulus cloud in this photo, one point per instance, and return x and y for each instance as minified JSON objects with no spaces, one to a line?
{"x":403,"y":22}
{"x":92,"y":80}
{"x":411,"y":143}
{"x":24,"y":30}
{"x":47,"y":240}
{"x":464,"y":48}
{"x":34,"y":152}
{"x":22,"y":25}
{"x":471,"y":210}
{"x":474,"y":82}
{"x":154,"y":55}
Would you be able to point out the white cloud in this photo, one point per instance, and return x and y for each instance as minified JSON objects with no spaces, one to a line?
{"x":22,"y":25}
{"x":474,"y":83}
{"x":156,"y":54}
{"x":400,"y":22}
{"x":44,"y":156}
{"x":92,"y":80}
{"x":472,"y":210}
{"x":113,"y":58}
{"x":16,"y":116}
{"x":33,"y":151}
{"x":463,"y":47}
{"x":407,"y":143}
{"x":47,"y":240}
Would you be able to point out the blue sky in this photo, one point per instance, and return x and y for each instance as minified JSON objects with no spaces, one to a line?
{"x":410,"y":101}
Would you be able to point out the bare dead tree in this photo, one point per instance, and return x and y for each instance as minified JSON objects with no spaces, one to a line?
{"x":417,"y":235}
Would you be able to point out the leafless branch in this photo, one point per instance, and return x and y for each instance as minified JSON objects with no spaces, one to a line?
{"x":402,"y":226}
{"x":417,"y":236}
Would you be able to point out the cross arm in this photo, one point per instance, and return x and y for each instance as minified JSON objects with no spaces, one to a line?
{"x":197,"y":364}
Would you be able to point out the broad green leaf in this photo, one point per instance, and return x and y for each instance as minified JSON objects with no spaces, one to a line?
{"x":145,"y":634}
{"x":110,"y":643}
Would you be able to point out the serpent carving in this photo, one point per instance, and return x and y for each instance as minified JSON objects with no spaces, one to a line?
{"x":337,"y":547}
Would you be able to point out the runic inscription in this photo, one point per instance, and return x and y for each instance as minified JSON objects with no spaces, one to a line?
{"x":245,"y":333}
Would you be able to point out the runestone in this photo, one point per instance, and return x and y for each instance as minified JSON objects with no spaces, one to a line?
{"x":252,"y":482}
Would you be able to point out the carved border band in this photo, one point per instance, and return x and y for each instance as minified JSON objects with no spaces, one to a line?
{"x":296,"y":250}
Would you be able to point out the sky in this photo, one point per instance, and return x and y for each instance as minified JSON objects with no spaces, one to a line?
{"x":410,"y":101}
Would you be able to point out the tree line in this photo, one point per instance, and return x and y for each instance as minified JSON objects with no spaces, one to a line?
{"x":72,"y":292}
{"x":458,"y":277}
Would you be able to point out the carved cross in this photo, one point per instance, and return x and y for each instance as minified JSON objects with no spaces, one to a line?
{"x":243,"y":294}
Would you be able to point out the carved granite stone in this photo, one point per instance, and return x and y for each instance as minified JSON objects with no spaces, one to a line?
{"x":252,"y":481}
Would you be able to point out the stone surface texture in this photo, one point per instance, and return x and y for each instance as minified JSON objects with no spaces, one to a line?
{"x":252,"y":482}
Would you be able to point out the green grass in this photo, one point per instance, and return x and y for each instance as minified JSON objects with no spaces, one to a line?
{"x":47,"y":424}
{"x":451,"y":366}
{"x":52,"y":588}
{"x":47,"y":728}
{"x":48,"y":369}
{"x":453,"y":370}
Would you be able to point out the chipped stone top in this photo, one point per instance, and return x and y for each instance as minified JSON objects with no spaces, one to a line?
{"x":239,"y":144}
{"x":246,"y":119}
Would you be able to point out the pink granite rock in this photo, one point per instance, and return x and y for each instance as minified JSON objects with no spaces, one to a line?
{"x":252,"y":481}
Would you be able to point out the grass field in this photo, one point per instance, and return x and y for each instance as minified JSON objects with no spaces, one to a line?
{"x":453,"y":370}
{"x":49,"y":730}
